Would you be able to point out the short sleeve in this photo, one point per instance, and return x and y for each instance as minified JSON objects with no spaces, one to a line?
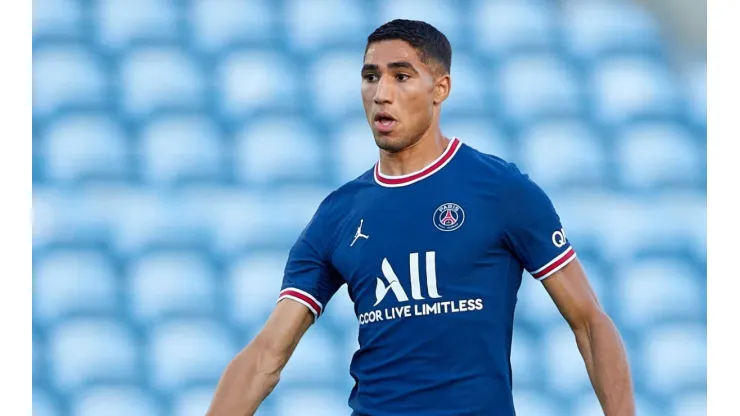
{"x":534,"y":233}
{"x":309,"y":277}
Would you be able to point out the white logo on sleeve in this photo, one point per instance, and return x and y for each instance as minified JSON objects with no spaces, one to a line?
{"x":359,"y":234}
{"x":558,"y":238}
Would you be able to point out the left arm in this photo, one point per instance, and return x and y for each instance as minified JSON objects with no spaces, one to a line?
{"x":597,"y":338}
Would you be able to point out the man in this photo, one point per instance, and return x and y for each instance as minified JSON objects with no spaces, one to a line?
{"x":432,"y":243}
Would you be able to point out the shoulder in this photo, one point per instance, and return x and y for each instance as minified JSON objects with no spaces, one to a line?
{"x":503,"y":173}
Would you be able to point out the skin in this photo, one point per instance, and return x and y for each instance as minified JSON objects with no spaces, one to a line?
{"x":395,"y":80}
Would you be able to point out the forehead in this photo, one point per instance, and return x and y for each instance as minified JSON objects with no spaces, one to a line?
{"x":381,"y":53}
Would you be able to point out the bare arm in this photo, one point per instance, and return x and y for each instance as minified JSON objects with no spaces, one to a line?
{"x":252,"y":375}
{"x":597,"y":338}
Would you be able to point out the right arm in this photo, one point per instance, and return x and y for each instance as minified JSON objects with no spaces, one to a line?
{"x":252,"y":375}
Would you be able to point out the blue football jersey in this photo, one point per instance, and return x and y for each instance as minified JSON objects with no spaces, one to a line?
{"x":432,"y":261}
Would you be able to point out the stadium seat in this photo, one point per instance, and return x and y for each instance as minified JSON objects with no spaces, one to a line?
{"x":654,"y":290}
{"x":627,"y":87}
{"x":526,"y":359}
{"x":220,"y":24}
{"x":533,"y":402}
{"x":539,"y":84}
{"x":671,"y":218}
{"x":314,"y":356}
{"x":44,"y":404}
{"x":205,"y":345}
{"x":192,"y":401}
{"x":163,"y":283}
{"x":253,"y":286}
{"x":591,"y":31}
{"x":85,"y":145}
{"x":275,"y":149}
{"x":566,"y":371}
{"x":66,"y":75}
{"x":535,"y":305}
{"x":696,"y":90}
{"x":181,"y":147}
{"x":340,"y":310}
{"x":674,"y":358}
{"x":315,"y":25}
{"x":123,"y":22}
{"x":353,"y":151}
{"x":57,"y":18}
{"x":441,"y":14}
{"x":691,"y":404}
{"x":336,"y":85}
{"x":469,"y":86}
{"x":562,"y":153}
{"x":50,"y":212}
{"x":74,"y":280}
{"x":272,"y":82}
{"x":655,"y":155}
{"x":160,"y":77}
{"x":479,"y":133}
{"x":587,"y":404}
{"x":504,"y":26}
{"x":311,"y":402}
{"x":90,"y":350}
{"x":289,"y":208}
{"x":116,"y":400}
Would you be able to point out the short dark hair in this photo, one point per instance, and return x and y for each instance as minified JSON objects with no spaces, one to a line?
{"x":429,"y":43}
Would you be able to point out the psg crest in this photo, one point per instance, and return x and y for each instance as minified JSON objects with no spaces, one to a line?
{"x":449,"y":217}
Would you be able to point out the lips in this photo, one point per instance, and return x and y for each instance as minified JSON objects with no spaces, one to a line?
{"x":384,"y":122}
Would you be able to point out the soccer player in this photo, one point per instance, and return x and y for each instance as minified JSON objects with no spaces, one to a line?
{"x":432,"y":243}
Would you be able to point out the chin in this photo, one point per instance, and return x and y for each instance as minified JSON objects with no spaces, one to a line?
{"x":390,"y":143}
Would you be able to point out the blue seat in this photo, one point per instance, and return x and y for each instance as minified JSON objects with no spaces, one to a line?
{"x":673,"y":218}
{"x":166,"y":282}
{"x":469,"y":86}
{"x":587,"y":404}
{"x":253,"y":286}
{"x":336,"y":83}
{"x":441,"y":14}
{"x":312,"y":26}
{"x":539,"y":84}
{"x":116,"y":400}
{"x":193,"y":401}
{"x":123,"y":22}
{"x":341,"y":310}
{"x":562,"y":153}
{"x":592,"y":31}
{"x":525,"y":360}
{"x":311,"y":402}
{"x":217,"y":25}
{"x":160,"y":77}
{"x":507,"y":25}
{"x":74,"y":280}
{"x":691,"y":404}
{"x":653,"y":155}
{"x":57,"y":18}
{"x":314,"y":361}
{"x":50,"y":209}
{"x":674,"y":358}
{"x":67,"y":75}
{"x":479,"y":133}
{"x":205,"y":345}
{"x":696,"y":86}
{"x":566,"y":374}
{"x":657,"y":289}
{"x":534,"y":305}
{"x":92,"y":350}
{"x":85,"y":145}
{"x":628,"y":87}
{"x":181,"y":147}
{"x":275,"y":149}
{"x":273,"y":82}
{"x":288,"y":209}
{"x":532,"y":401}
{"x":354,"y":151}
{"x":44,"y":404}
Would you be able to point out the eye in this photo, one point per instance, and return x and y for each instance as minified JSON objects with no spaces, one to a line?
{"x":402,"y":77}
{"x":370,"y":77}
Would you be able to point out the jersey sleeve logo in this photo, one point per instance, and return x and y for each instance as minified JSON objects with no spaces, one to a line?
{"x":558,"y":238}
{"x":449,"y":217}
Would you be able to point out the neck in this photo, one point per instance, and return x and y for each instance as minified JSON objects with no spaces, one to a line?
{"x":415,"y":157}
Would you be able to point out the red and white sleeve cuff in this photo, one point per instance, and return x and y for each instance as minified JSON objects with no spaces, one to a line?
{"x":302,"y":297}
{"x":556,"y":264}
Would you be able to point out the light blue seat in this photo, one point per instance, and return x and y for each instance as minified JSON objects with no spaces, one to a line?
{"x":354,"y":151}
{"x":38,"y":364}
{"x":587,"y":404}
{"x":341,"y":310}
{"x":561,"y":153}
{"x":88,"y":350}
{"x":469,"y":85}
{"x":657,"y":154}
{"x":74,"y":280}
{"x":253,"y":286}
{"x":289,"y":209}
{"x":533,"y":402}
{"x":626,"y":87}
{"x":314,"y":362}
{"x":43,"y":404}
{"x":441,"y":14}
{"x":674,"y":358}
{"x":272,"y":82}
{"x":696,"y":89}
{"x":311,"y":402}
{"x":656,"y":289}
{"x":122,"y":22}
{"x":56,"y":18}
{"x":275,"y":149}
{"x":193,"y":401}
{"x":336,"y":84}
{"x":691,"y":404}
{"x":50,"y":215}
{"x":314,"y":25}
{"x":591,"y":29}
{"x":507,"y":25}
{"x":160,"y":77}
{"x":538,"y":84}
{"x":163,"y":283}
{"x":220,"y":24}
{"x":115,"y":400}
{"x":66,"y":75}
{"x":182,"y":147}
{"x":565,"y":371}
{"x":479,"y":133}
{"x":525,"y":360}
{"x":534,"y":304}
{"x":673,"y":217}
{"x":205,"y":345}
{"x":85,"y":145}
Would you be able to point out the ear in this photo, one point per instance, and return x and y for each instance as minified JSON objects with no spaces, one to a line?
{"x":442,"y":87}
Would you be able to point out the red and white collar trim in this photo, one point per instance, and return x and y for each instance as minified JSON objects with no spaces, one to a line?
{"x":395,"y":181}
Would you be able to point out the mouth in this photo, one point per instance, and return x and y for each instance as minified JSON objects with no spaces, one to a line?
{"x":384,"y":122}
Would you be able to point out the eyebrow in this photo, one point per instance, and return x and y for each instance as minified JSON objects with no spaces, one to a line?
{"x":392,"y":65}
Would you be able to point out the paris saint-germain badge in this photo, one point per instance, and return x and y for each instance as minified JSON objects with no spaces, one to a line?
{"x":449,"y":217}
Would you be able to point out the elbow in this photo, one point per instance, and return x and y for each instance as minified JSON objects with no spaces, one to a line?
{"x":269,"y":361}
{"x":592,"y":319}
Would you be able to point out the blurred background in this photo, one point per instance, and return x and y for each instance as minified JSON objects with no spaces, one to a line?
{"x":179,"y":147}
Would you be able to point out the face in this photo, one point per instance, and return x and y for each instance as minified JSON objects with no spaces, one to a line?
{"x":400,"y":93}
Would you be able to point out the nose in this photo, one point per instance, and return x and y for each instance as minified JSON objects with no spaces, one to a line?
{"x":383,"y":92}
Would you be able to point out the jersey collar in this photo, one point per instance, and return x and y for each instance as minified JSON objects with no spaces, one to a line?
{"x":396,"y":181}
